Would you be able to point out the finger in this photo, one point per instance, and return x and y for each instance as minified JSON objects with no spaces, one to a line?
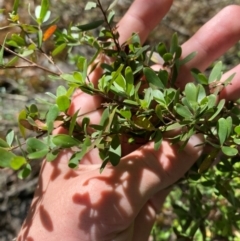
{"x":147,"y":216}
{"x":232,"y":91}
{"x":211,"y":41}
{"x":142,"y":17}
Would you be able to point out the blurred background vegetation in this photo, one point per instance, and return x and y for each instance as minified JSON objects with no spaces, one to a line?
{"x":20,"y":87}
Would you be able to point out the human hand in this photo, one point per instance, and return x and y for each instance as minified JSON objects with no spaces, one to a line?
{"x":121,"y":203}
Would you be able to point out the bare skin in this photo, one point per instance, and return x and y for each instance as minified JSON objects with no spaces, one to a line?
{"x":121,"y":203}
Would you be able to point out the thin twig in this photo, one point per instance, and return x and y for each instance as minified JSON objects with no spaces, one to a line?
{"x":44,"y":54}
{"x":32,"y":64}
{"x":109,"y":27}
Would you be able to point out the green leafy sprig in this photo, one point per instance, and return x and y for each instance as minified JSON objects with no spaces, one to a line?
{"x":138,"y":102}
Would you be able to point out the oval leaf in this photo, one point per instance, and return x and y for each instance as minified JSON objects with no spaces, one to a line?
{"x":17,"y":162}
{"x":91,"y":25}
{"x":25,"y":172}
{"x":152,"y":77}
{"x":229,"y":151}
{"x":222,"y":130}
{"x":35,"y":145}
{"x":115,"y":150}
{"x":191,"y":92}
{"x":65,"y":141}
{"x":38,"y":154}
{"x":5,"y":158}
{"x":183,"y":111}
{"x":215,"y":73}
{"x":3,"y":143}
{"x":63,"y":102}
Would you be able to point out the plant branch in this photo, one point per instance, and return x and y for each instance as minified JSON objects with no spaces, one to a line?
{"x":109,"y":27}
{"x":32,"y":64}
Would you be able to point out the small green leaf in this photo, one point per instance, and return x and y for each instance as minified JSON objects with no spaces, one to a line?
{"x":219,"y":108}
{"x":174,"y":126}
{"x":51,"y":156}
{"x":59,"y":49}
{"x":208,"y":161}
{"x":42,"y":12}
{"x":90,"y":26}
{"x":90,"y":5}
{"x":65,"y":141}
{"x":17,"y":162}
{"x":15,"y":6}
{"x":143,"y":122}
{"x":35,"y":145}
{"x":5,"y":157}
{"x":63,"y":102}
{"x":77,"y":157}
{"x":2,"y":51}
{"x":229,"y":123}
{"x":202,"y":79}
{"x":61,"y":90}
{"x":110,"y":16}
{"x":105,"y":118}
{"x":85,"y":124}
{"x":33,"y":109}
{"x":126,"y":114}
{"x":168,"y":57}
{"x":174,"y":43}
{"x":10,"y":137}
{"x":22,"y":116}
{"x":201,"y":93}
{"x":237,"y":130}
{"x":161,"y":49}
{"x":73,"y":122}
{"x":216,"y":73}
{"x":236,"y":141}
{"x":188,"y":58}
{"x":18,"y":39}
{"x":3,"y":144}
{"x":112,"y":5}
{"x":163,"y":76}
{"x":229,"y":151}
{"x":68,"y":77}
{"x":120,"y":83}
{"x":12,"y":61}
{"x":105,"y":162}
{"x":222,"y":130}
{"x":191,"y":92}
{"x":115,"y":151}
{"x":152,"y":78}
{"x":159,"y":112}
{"x":130,"y":102}
{"x":157,"y":139}
{"x":38,"y":154}
{"x":183,"y":111}
{"x":78,"y":77}
{"x":159,"y":96}
{"x":51,"y":117}
{"x":25,"y":171}
{"x":129,"y":81}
